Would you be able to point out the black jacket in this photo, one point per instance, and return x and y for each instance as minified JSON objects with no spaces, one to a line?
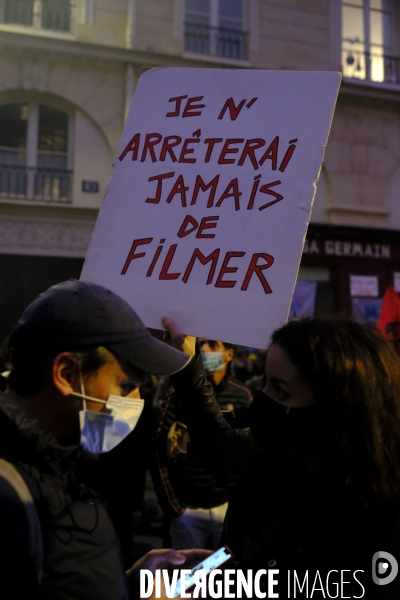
{"x":81,"y":553}
{"x":119,"y":477}
{"x":186,"y":481}
{"x":293,"y":511}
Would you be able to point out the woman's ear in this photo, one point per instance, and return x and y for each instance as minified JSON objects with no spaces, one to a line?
{"x":65,"y":373}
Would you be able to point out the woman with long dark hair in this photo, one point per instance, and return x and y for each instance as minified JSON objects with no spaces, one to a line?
{"x":316,"y":478}
{"x":354,"y":373}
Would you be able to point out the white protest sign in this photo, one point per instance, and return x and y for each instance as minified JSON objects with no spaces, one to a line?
{"x":207,"y":208}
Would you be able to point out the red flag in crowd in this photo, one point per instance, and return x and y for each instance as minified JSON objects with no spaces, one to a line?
{"x":389,"y":319}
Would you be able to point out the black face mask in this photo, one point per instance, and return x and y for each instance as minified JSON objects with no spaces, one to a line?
{"x":282,"y":429}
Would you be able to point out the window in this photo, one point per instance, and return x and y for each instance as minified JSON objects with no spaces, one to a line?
{"x":34,"y":153}
{"x":367,"y":41}
{"x":42,"y":14}
{"x":215,"y":27}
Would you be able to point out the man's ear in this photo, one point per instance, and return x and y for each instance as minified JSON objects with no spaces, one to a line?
{"x":65,"y":373}
{"x":229,"y":354}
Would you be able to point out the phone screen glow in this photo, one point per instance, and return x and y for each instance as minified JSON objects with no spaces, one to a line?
{"x":211,"y":562}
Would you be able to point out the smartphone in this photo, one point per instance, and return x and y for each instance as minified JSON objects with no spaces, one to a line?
{"x":220,"y":558}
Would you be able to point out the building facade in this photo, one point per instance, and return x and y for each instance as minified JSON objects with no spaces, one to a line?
{"x":68,"y":70}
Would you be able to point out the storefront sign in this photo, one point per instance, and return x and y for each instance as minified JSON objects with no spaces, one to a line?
{"x":346,"y":248}
{"x":365,"y":286}
{"x":208,"y":204}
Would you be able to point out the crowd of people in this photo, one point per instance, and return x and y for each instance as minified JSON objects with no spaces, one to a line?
{"x":288,"y":455}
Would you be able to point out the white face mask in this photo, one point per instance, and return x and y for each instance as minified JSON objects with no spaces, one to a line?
{"x":101,"y":432}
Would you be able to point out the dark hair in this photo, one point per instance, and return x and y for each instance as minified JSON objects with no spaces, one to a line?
{"x":355,"y":375}
{"x":31,"y":371}
{"x":213,"y":344}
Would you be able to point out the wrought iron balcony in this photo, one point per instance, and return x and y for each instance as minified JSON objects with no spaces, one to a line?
{"x":216,"y":41}
{"x":55,"y":15}
{"x":370,"y":66}
{"x":35,"y":184}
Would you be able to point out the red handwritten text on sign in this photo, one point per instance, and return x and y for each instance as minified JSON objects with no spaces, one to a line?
{"x":170,"y":187}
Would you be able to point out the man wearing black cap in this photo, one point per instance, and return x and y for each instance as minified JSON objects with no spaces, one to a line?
{"x":79,"y":354}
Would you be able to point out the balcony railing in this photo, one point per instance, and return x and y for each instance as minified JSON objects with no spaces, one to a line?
{"x":35,"y":184}
{"x":40,"y":14}
{"x":216,"y":41}
{"x":370,"y":66}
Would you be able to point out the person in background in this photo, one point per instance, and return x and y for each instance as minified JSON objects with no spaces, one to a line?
{"x":257,"y":381}
{"x":193,"y":499}
{"x":242,"y":365}
{"x":233,"y":396}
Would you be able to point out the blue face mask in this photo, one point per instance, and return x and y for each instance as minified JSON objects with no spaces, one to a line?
{"x":101,"y":432}
{"x":213,"y":361}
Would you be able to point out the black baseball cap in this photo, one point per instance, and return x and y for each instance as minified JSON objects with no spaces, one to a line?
{"x":75,"y":315}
